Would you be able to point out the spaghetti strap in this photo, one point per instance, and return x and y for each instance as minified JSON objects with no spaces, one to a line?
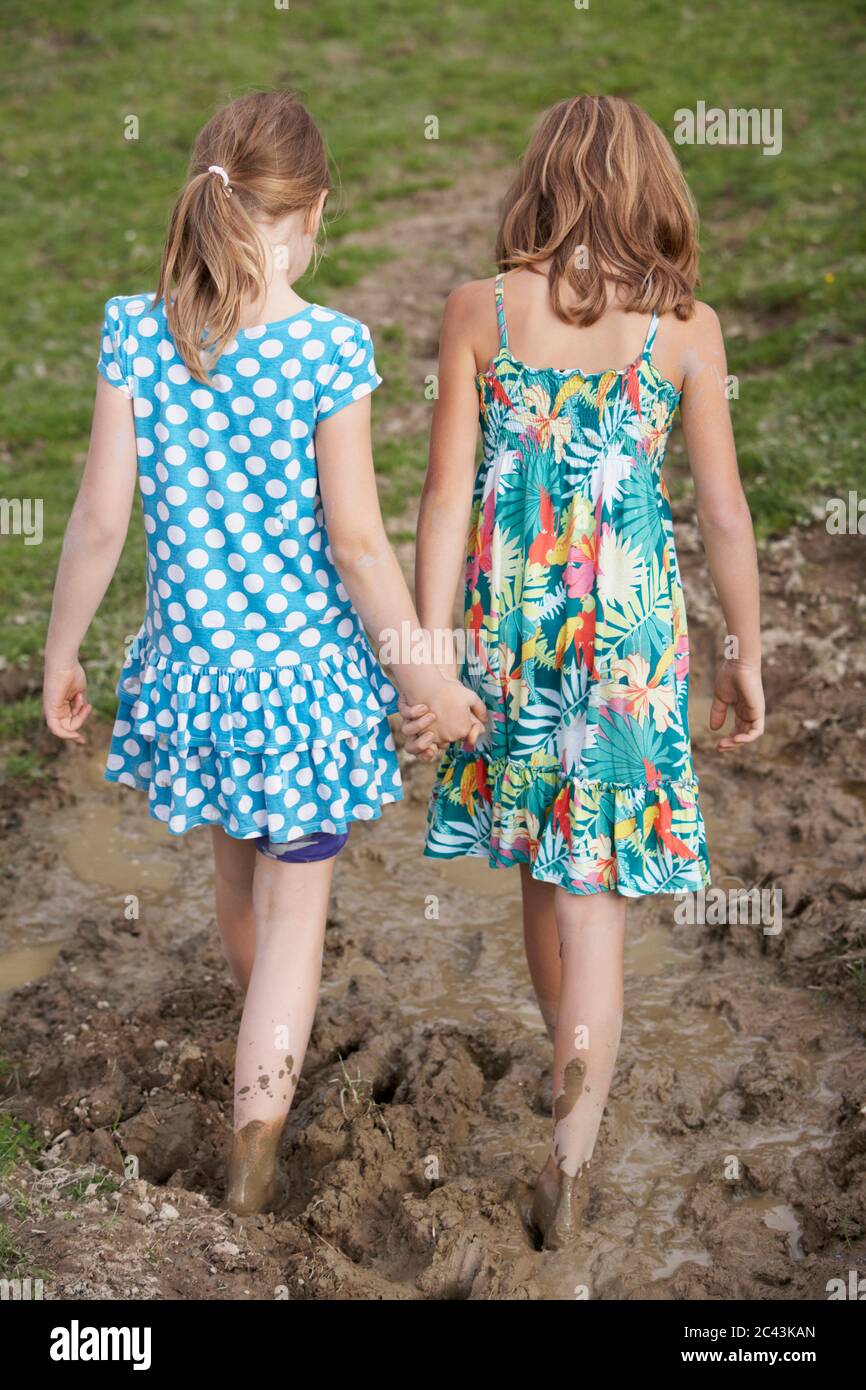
{"x":650,"y":337}
{"x":500,"y":310}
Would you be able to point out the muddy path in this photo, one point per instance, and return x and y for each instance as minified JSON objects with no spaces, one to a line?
{"x":732,"y":1157}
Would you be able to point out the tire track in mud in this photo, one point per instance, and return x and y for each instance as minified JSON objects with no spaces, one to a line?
{"x":731,"y":1157}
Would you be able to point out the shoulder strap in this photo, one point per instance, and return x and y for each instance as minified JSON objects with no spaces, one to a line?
{"x":500,"y":310}
{"x":651,"y":336}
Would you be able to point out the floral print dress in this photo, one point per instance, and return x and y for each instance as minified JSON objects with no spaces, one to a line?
{"x":575,"y":639}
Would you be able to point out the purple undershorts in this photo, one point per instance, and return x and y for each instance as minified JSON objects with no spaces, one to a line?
{"x":307,"y":850}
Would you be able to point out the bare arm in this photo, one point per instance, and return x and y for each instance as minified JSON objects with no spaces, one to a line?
{"x":726,"y":528}
{"x":92,"y":547}
{"x":446,"y":500}
{"x":371,"y":573}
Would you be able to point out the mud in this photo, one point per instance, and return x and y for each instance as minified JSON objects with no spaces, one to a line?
{"x":253,"y":1182}
{"x":730,"y":1161}
{"x":558,"y":1206}
{"x":572,"y":1087}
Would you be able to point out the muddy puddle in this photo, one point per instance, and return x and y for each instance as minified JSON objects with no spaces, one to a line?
{"x":95,"y":855}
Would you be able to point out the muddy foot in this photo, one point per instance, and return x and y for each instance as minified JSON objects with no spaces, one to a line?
{"x":253,"y":1182}
{"x":558,"y":1205}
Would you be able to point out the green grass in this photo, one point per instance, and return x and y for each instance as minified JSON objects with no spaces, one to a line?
{"x":79,"y":1189}
{"x":10,"y":1255}
{"x":16,"y":1142}
{"x":83,"y":209}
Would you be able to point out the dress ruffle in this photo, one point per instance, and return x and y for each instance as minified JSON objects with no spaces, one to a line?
{"x":279,"y":750}
{"x":261,"y":709}
{"x":585,"y":836}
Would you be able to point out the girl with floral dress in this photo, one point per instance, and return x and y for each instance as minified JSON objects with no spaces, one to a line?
{"x":575,"y":627}
{"x":250,"y":699}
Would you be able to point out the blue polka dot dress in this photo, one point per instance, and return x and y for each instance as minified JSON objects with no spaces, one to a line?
{"x":250,"y":698}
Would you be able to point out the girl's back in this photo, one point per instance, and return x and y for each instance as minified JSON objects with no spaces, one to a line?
{"x":239,"y":570}
{"x":250,"y":644}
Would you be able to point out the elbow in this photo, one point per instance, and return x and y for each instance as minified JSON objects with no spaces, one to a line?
{"x":443,"y":506}
{"x":93,"y":528}
{"x":726,"y":518}
{"x":360,"y":551}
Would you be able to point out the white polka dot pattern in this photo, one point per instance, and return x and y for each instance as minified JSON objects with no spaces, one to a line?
{"x":250,"y":698}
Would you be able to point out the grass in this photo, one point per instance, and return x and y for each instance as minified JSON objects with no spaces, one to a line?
{"x":16,"y":1142}
{"x":89,"y":1186}
{"x":10,"y":1255}
{"x":857,"y":972}
{"x":84,"y":209}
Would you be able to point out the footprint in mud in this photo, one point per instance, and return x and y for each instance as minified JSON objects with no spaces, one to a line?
{"x":479,"y":1264}
{"x":453,"y":1274}
{"x":770,"y":1083}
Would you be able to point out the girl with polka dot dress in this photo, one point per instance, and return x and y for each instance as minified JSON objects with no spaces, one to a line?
{"x":250,"y":700}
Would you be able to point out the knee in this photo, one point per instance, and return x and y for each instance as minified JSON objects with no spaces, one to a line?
{"x":235,"y":875}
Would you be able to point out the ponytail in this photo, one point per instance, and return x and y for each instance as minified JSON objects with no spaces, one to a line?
{"x":264,"y":156}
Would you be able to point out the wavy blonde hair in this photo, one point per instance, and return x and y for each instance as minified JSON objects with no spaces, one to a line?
{"x":600,"y":177}
{"x":213,"y":260}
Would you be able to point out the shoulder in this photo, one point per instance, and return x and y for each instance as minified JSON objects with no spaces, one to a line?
{"x":703,"y":319}
{"x":702,"y":327}
{"x":133,"y":323}
{"x":469,"y":321}
{"x":125,"y":308}
{"x":339,"y":328}
{"x":469,"y":302}
{"x":341,"y":359}
{"x":131,"y":331}
{"x":694,"y":348}
{"x":687,"y":339}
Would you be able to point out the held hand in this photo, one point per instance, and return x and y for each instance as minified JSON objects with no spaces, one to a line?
{"x":418,"y":735}
{"x":64,"y":701}
{"x":458,"y":714}
{"x":739,"y":687}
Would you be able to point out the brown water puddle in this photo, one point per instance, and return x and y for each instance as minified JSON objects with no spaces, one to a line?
{"x":19,"y":965}
{"x":114,"y":845}
{"x":101,"y":856}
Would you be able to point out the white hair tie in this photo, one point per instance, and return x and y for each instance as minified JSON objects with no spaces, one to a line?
{"x":218,"y":169}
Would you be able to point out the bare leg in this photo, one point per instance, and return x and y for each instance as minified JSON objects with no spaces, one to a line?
{"x":290,"y":902}
{"x":586,"y":1042}
{"x":234,"y":862}
{"x":541,"y":940}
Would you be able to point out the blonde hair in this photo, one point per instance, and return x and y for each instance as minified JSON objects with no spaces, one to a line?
{"x":599,"y":177}
{"x":276,"y":163}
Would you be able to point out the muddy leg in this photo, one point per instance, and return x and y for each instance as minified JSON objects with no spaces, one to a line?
{"x":586,"y":1042}
{"x":541,"y":940}
{"x":290,"y":903}
{"x":234,"y":862}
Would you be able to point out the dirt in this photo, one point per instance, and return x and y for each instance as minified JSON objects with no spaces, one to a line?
{"x":730,"y":1162}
